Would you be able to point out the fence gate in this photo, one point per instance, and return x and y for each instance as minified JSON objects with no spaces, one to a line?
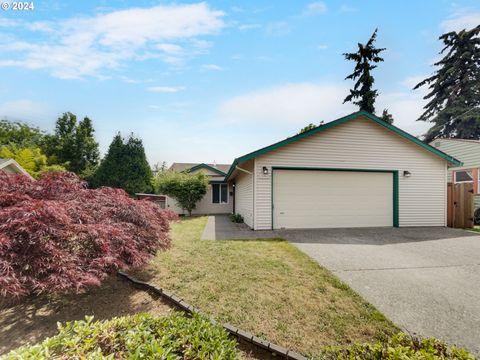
{"x":460,"y":205}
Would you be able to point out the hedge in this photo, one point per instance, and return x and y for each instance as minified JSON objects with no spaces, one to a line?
{"x":141,"y":336}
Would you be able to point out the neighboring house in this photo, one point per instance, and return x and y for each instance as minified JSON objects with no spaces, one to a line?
{"x":219,"y":197}
{"x":12,"y":167}
{"x":467,"y":151}
{"x":357,"y":171}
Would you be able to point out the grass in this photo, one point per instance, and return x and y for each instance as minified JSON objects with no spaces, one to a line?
{"x":267,"y":287}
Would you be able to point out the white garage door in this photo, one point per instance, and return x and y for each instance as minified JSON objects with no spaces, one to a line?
{"x":331,"y":199}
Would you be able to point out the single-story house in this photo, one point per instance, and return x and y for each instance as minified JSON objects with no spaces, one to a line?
{"x":219,"y":196}
{"x":356,"y":171}
{"x":468,"y":152}
{"x":12,"y":167}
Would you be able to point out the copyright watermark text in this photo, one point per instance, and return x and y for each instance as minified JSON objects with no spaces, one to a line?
{"x":17,"y":5}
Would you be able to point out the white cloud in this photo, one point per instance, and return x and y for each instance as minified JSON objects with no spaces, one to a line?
{"x":135,"y":81}
{"x":406,"y":107}
{"x":298,"y":103}
{"x":347,"y":8}
{"x":212,"y":67}
{"x":322,"y":47}
{"x":302,"y":103}
{"x":315,"y":8}
{"x":170,"y":48}
{"x":461,"y":21}
{"x":23,"y":110}
{"x":165,"y":89}
{"x":84,"y":46}
{"x":277,"y":28}
{"x":245,"y":27}
{"x":411,"y":81}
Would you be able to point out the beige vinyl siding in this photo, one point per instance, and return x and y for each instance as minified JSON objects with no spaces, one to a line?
{"x":466,"y":151}
{"x":10,"y":169}
{"x":363,"y":144}
{"x":244,"y":193}
{"x":206,"y":205}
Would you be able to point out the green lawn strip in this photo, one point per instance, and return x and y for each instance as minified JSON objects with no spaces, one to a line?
{"x":267,"y":287}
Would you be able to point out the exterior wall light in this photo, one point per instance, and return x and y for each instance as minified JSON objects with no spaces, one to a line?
{"x":265,"y":170}
{"x":407,"y":174}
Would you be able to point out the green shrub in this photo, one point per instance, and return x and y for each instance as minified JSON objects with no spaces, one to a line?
{"x":400,"y":346}
{"x":141,"y":336}
{"x":236,"y":218}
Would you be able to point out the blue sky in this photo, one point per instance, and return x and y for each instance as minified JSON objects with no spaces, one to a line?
{"x":210,"y":81}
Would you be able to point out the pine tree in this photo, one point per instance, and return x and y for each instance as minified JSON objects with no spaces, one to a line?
{"x":454,"y":97}
{"x":365,"y":57}
{"x":125,"y":166}
{"x":387,"y":117}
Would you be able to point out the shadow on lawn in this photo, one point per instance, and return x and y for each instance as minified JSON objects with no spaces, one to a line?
{"x":34,"y":319}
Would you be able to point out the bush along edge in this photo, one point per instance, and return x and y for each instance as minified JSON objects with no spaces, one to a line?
{"x":234,"y":331}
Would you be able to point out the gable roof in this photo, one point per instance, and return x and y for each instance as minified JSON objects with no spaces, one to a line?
{"x":220,"y":169}
{"x":12,"y":163}
{"x":339,"y":121}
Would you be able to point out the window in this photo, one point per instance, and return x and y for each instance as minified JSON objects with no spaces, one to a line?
{"x":220,"y":193}
{"x":463,"y":176}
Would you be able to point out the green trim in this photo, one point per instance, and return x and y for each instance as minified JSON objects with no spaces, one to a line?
{"x":206,"y":166}
{"x":396,"y":210}
{"x":331,"y":124}
{"x":396,"y":197}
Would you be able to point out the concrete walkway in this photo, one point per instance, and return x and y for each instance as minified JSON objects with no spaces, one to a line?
{"x":426,"y":280}
{"x":220,"y":227}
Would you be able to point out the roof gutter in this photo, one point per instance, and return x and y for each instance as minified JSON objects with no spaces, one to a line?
{"x":244,"y":170}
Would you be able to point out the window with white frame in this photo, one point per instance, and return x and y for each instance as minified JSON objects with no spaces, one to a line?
{"x":463,"y":176}
{"x":220,"y":193}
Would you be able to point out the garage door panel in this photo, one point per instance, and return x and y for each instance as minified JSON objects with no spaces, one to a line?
{"x":316,"y":199}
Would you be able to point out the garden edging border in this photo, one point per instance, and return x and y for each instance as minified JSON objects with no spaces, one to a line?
{"x":239,"y":333}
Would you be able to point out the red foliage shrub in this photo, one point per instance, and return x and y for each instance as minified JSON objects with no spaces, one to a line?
{"x":56,"y":235}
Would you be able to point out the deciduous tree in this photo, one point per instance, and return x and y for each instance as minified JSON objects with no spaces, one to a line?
{"x":19,"y":134}
{"x":56,"y":235}
{"x":32,"y":159}
{"x":73,"y":144}
{"x":187,"y":188}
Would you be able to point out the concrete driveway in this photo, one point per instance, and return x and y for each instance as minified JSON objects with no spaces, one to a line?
{"x":426,"y":280}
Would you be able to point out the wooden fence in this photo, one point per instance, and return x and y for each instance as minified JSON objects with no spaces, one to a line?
{"x":460,"y":205}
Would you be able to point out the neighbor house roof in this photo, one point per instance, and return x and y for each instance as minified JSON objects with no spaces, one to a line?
{"x":4,"y":163}
{"x":460,"y":140}
{"x":221,"y":169}
{"x":331,"y":124}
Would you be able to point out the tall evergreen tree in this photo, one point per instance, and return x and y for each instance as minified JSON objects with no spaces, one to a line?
{"x":73,"y":144}
{"x":387,"y":117}
{"x":125,"y":166}
{"x":454,"y":97}
{"x":366,"y":56}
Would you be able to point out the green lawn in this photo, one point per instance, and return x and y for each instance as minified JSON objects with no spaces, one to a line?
{"x":267,"y":287}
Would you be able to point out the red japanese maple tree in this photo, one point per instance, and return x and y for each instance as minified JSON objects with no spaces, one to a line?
{"x":56,"y":235}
